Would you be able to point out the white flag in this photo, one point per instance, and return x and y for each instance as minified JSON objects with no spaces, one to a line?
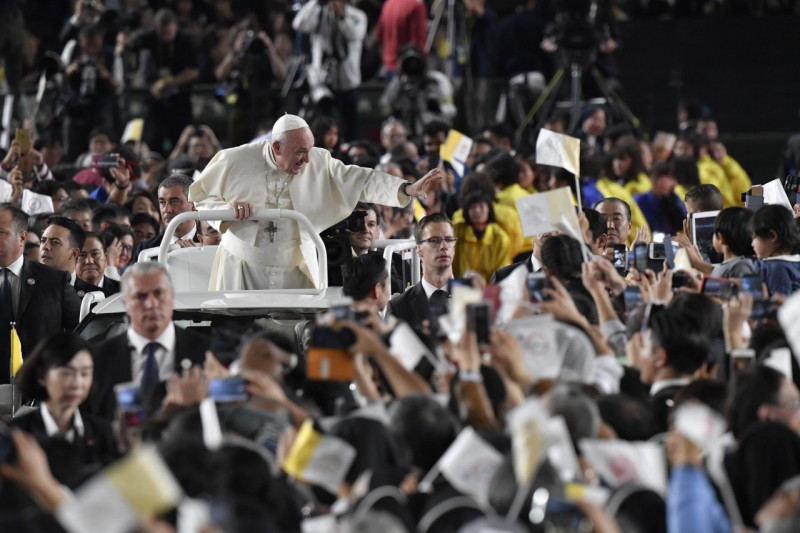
{"x":558,"y":150}
{"x":619,"y":462}
{"x":699,"y":424}
{"x":34,"y":203}
{"x":528,"y":439}
{"x":789,"y":317}
{"x":6,"y":190}
{"x":114,"y":501}
{"x":469,"y":464}
{"x":537,"y":337}
{"x":781,"y":360}
{"x":406,"y":347}
{"x":549,"y":211}
{"x":560,"y":451}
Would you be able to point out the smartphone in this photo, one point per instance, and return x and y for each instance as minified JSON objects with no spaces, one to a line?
{"x":657,"y":251}
{"x":128,"y":402}
{"x":228,"y":390}
{"x":7,"y":448}
{"x":537,"y":282}
{"x":23,"y":138}
{"x":478,"y":320}
{"x":640,"y":257}
{"x":753,"y":285}
{"x":718,"y":288}
{"x":633,"y":298}
{"x":105,"y":161}
{"x":328,"y":358}
{"x":463,"y":282}
{"x":620,"y":259}
{"x":335,"y":314}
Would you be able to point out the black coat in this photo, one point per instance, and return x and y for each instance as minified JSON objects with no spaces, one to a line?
{"x":47,"y":304}
{"x":112,"y":366}
{"x":411,"y":307}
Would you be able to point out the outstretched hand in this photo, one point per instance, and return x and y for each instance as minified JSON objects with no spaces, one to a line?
{"x":423,"y":186}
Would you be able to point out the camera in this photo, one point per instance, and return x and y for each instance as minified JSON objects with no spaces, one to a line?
{"x":337,"y":245}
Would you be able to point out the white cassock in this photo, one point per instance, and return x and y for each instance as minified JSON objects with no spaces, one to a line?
{"x":326,"y":191}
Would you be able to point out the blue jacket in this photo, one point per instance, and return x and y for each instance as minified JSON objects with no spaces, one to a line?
{"x":781,"y":273}
{"x":664,"y":215}
{"x":692,"y":506}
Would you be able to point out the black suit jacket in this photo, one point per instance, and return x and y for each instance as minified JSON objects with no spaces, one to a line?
{"x":110,"y":286}
{"x":502,"y":273}
{"x":112,"y":366}
{"x":411,"y":306}
{"x":47,"y":304}
{"x":83,"y":287}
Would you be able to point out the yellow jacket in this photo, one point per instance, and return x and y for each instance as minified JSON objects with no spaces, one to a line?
{"x":511,"y":194}
{"x":640,"y":185}
{"x":611,"y":189}
{"x":737,"y":178}
{"x":508,"y":219}
{"x":712,"y":173}
{"x":483,"y":256}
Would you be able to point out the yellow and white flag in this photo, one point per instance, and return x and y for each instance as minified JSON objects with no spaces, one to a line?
{"x":16,"y":352}
{"x":133,"y":130}
{"x":319,"y":459}
{"x":558,"y":150}
{"x":117,"y":499}
{"x":549,"y":211}
{"x":455,"y":151}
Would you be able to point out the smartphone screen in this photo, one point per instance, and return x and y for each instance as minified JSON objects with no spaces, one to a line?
{"x":478,"y":320}
{"x":620,"y":259}
{"x":752,"y":285}
{"x":640,"y":257}
{"x":105,"y":161}
{"x":719,"y":288}
{"x":537,"y":282}
{"x":227,"y":390}
{"x":633,"y":298}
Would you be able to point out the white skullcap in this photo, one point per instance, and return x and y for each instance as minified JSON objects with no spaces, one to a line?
{"x":288,"y":123}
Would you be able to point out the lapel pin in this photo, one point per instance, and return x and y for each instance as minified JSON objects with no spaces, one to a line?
{"x":31,"y":281}
{"x":81,"y":293}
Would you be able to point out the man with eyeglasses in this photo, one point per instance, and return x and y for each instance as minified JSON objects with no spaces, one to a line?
{"x":436,"y":244}
{"x":92,"y":263}
{"x":59,"y":248}
{"x":152,"y":348}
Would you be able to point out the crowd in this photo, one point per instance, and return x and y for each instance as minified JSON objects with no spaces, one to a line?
{"x":579,"y":379}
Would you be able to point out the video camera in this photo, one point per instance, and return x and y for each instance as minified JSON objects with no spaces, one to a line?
{"x":337,"y":245}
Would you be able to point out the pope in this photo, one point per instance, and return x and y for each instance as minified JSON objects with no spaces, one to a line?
{"x":286,"y":172}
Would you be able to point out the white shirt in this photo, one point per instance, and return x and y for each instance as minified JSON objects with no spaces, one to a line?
{"x":165,"y":355}
{"x":662,"y":384}
{"x":430,"y":288}
{"x":51,"y":428}
{"x":188,"y":237}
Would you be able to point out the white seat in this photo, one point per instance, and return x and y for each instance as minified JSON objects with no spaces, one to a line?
{"x":189,"y":268}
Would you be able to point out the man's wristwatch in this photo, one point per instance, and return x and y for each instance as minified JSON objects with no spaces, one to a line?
{"x":404,"y":188}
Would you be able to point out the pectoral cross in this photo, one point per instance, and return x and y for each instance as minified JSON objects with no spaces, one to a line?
{"x":272,"y":229}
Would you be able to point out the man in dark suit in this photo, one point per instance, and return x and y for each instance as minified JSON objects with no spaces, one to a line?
{"x":60,"y":246}
{"x":91,"y":265}
{"x":668,"y":354}
{"x":37,"y":298}
{"x":173,"y":199}
{"x":152,"y":349}
{"x":436,"y":246}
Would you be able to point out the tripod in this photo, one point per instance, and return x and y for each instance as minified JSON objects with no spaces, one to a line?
{"x":543,"y":107}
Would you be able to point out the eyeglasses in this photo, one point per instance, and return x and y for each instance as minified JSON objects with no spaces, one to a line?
{"x":437,"y":241}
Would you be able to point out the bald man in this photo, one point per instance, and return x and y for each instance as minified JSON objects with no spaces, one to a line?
{"x":286,"y":172}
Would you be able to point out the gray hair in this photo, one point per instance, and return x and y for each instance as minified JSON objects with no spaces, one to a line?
{"x":142,"y":269}
{"x":279,"y":138}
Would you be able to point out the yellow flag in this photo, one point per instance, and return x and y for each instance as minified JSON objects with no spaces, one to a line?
{"x":16,"y":352}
